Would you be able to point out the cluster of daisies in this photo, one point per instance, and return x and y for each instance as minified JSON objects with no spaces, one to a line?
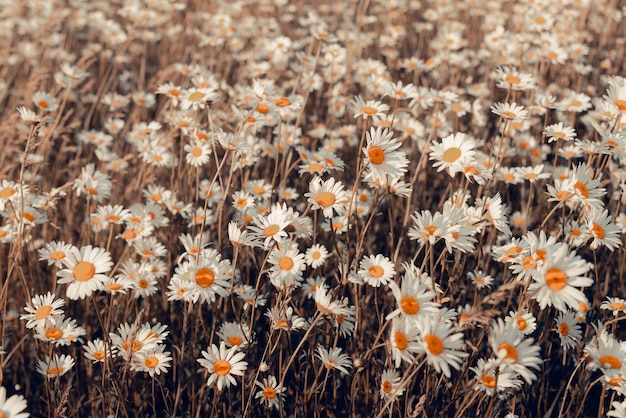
{"x":311,"y":205}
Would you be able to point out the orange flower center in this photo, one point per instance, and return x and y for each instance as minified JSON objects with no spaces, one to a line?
{"x":54,"y":334}
{"x":285,"y":263}
{"x":205,"y":277}
{"x":271,"y":230}
{"x":376,"y":155}
{"x":136,"y":345}
{"x":489,"y":381}
{"x":43,"y":104}
{"x":511,"y":79}
{"x":234,"y":340}
{"x":563,"y":329}
{"x":451,"y":154}
{"x":368,"y":110}
{"x":521,"y":323}
{"x":196,"y":152}
{"x":56,"y":370}
{"x":43,"y":312}
{"x":6,"y":192}
{"x":376,"y":272}
{"x":282,"y":102}
{"x":151,"y":362}
{"x":196,"y":96}
{"x":84,"y":271}
{"x":269,"y":393}
{"x":511,"y":352}
{"x":400,"y":339}
{"x":555,"y":278}
{"x":582,"y":189}
{"x":262,"y":108}
{"x":618,"y":306}
{"x":434,"y":344}
{"x":98,"y":355}
{"x":597,"y":231}
{"x":610,"y":362}
{"x":221,"y":367}
{"x":409,"y":305}
{"x":325,"y":199}
{"x":621,"y":105}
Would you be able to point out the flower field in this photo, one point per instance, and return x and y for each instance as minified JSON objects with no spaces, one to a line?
{"x":274,"y":208}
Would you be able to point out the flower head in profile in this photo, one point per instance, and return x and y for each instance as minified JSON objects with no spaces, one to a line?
{"x":55,"y":366}
{"x":334,"y":359}
{"x":369,"y":109}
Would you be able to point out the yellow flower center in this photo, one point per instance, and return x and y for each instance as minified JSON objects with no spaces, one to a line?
{"x":368,"y":110}
{"x":451,"y":154}
{"x":325,"y":199}
{"x":271,"y":230}
{"x":511,"y":79}
{"x":196,"y":152}
{"x":205,"y":277}
{"x":285,"y":263}
{"x":507,"y":114}
{"x":616,"y":306}
{"x":84,"y":271}
{"x":43,"y":312}
{"x":6,"y":192}
{"x":196,"y":96}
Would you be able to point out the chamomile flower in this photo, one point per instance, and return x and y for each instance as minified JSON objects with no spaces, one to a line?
{"x":606,"y":353}
{"x":525,"y":322}
{"x":390,"y":384}
{"x":376,"y":270}
{"x":270,"y":228}
{"x":568,"y":329}
{"x":603,"y":231}
{"x":368,"y":109}
{"x":557,"y":282}
{"x":198,"y":153}
{"x":271,"y":393}
{"x":55,"y":366}
{"x":223,"y":365}
{"x":316,"y":255}
{"x":404,"y":340}
{"x":480,"y":279}
{"x":559,"y":131}
{"x":45,"y":101}
{"x":414,"y":300}
{"x":96,"y":351}
{"x":12,"y":407}
{"x":453,"y":153}
{"x":334,"y":359}
{"x":510,"y":111}
{"x":234,"y":334}
{"x":614,"y":304}
{"x":155,"y":361}
{"x":441,"y":346}
{"x":287,"y":266}
{"x":487,"y":381}
{"x":512,"y":349}
{"x":43,"y":310}
{"x":382,"y":155}
{"x":328,"y":195}
{"x":84,"y":271}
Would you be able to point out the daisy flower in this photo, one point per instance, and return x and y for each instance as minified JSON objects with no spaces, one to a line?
{"x":28,"y":116}
{"x":287,"y":266}
{"x":371,"y":109}
{"x":428,"y":228}
{"x":84,"y":271}
{"x":390,"y":384}
{"x":480,"y":279}
{"x":376,"y":270}
{"x":510,"y":111}
{"x":524,"y":322}
{"x":488,"y":382}
{"x":234,"y":334}
{"x":334,"y":359}
{"x":223,"y":364}
{"x":55,"y":366}
{"x":606,"y":353}
{"x":510,"y":78}
{"x":382,"y":155}
{"x":10,"y":193}
{"x":198,"y":153}
{"x":558,"y":131}
{"x":95,"y":351}
{"x":242,"y":201}
{"x":512,"y":349}
{"x":207,"y":276}
{"x":618,"y":409}
{"x":42,"y":310}
{"x":13,"y":407}
{"x":270,"y":228}
{"x":327,"y":306}
{"x":270,"y":392}
{"x":327,"y":195}
{"x":602,"y":229}
{"x":441,"y":346}
{"x":557,"y":282}
{"x":316,"y":255}
{"x":153,"y":362}
{"x":404,"y":340}
{"x":453,"y":153}
{"x":568,"y":329}
{"x":614,"y":304}
{"x":414,"y":299}
{"x":45,"y":101}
